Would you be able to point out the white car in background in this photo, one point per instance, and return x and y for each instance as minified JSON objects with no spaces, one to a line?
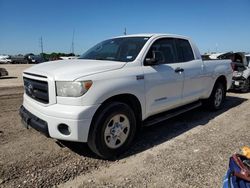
{"x":5,"y":59}
{"x":119,"y":85}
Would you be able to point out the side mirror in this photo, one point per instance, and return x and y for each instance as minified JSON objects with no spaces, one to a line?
{"x":157,"y":58}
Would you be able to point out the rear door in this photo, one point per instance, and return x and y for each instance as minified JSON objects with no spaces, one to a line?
{"x":193,"y":71}
{"x":163,"y":84}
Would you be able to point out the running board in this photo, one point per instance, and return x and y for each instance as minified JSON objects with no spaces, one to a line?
{"x":169,"y":114}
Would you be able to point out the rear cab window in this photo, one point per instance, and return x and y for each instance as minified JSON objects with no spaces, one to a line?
{"x":184,"y":50}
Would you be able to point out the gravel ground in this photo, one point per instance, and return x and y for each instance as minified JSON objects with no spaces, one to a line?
{"x":28,"y":159}
{"x":14,"y":78}
{"x":191,"y":150}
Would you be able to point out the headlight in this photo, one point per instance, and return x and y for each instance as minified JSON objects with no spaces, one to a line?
{"x":72,"y":89}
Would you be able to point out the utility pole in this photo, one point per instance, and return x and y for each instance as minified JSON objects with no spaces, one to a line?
{"x":41,"y":44}
{"x":72,"y":43}
{"x":125,"y":31}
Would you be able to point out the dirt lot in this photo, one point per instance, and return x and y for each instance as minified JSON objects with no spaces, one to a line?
{"x":191,"y":150}
{"x":15,"y":75}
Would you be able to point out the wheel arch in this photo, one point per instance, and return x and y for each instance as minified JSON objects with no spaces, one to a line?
{"x":131,"y":100}
{"x":220,"y":78}
{"x":223,"y":80}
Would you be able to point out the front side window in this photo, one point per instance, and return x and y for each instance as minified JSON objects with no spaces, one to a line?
{"x":184,"y":50}
{"x":123,"y":49}
{"x":166,"y":47}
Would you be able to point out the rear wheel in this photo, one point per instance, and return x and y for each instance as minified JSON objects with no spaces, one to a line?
{"x":112,"y":130}
{"x":217,"y":97}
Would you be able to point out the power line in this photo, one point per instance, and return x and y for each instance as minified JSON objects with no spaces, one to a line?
{"x":72,"y":43}
{"x":41,"y":44}
{"x":125,"y":31}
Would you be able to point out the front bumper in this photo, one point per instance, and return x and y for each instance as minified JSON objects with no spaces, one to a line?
{"x":77,"y":118}
{"x":30,"y":120}
{"x":238,"y":84}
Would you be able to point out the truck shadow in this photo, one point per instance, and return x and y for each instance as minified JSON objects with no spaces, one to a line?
{"x":149,"y":137}
{"x":237,"y":91}
{"x":7,"y":77}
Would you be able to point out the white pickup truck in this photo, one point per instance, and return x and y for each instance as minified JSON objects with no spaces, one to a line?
{"x":119,"y":85}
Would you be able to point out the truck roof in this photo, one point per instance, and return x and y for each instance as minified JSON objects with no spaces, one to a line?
{"x":152,"y":35}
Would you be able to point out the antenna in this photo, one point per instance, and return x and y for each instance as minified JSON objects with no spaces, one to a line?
{"x":125,"y":31}
{"x":72,"y":43}
{"x":41,"y":44}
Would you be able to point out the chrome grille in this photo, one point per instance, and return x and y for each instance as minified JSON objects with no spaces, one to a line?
{"x":36,"y":89}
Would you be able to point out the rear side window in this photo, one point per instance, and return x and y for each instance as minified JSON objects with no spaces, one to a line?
{"x":166,"y":47}
{"x":184,"y":50}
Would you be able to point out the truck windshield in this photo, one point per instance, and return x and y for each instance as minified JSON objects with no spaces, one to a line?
{"x":123,"y":49}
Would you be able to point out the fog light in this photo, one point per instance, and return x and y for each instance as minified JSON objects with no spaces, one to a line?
{"x":64,"y":129}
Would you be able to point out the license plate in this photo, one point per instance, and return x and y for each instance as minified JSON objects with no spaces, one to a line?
{"x":236,"y":83}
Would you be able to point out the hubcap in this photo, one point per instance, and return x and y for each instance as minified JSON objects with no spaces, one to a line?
{"x":218,"y":97}
{"x":116,"y":131}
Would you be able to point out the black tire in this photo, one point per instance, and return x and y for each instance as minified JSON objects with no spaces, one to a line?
{"x":98,"y":142}
{"x":246,"y":86}
{"x":213,"y":103}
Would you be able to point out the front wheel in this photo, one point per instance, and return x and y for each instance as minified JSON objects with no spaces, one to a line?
{"x":112,"y":130}
{"x":217,"y":97}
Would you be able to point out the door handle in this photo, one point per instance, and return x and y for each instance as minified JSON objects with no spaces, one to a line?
{"x":178,"y":70}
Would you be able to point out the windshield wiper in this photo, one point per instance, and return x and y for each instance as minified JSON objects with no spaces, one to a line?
{"x":100,"y":58}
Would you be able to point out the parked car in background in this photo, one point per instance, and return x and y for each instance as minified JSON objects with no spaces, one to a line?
{"x":68,"y":57}
{"x":5,"y":59}
{"x":27,"y":59}
{"x":19,"y":59}
{"x":3,"y":72}
{"x":119,"y":85}
{"x":241,"y":74}
{"x":35,"y":59}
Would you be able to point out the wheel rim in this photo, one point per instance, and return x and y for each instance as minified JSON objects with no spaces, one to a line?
{"x":218,"y":97}
{"x":117,"y":131}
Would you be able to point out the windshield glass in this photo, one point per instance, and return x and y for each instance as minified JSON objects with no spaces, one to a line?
{"x":119,"y":49}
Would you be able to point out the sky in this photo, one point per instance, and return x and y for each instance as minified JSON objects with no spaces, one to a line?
{"x":215,"y":25}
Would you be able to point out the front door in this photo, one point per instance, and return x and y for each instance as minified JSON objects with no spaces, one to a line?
{"x":163,"y":82}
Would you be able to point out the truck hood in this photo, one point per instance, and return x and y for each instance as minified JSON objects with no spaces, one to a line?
{"x":70,"y":70}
